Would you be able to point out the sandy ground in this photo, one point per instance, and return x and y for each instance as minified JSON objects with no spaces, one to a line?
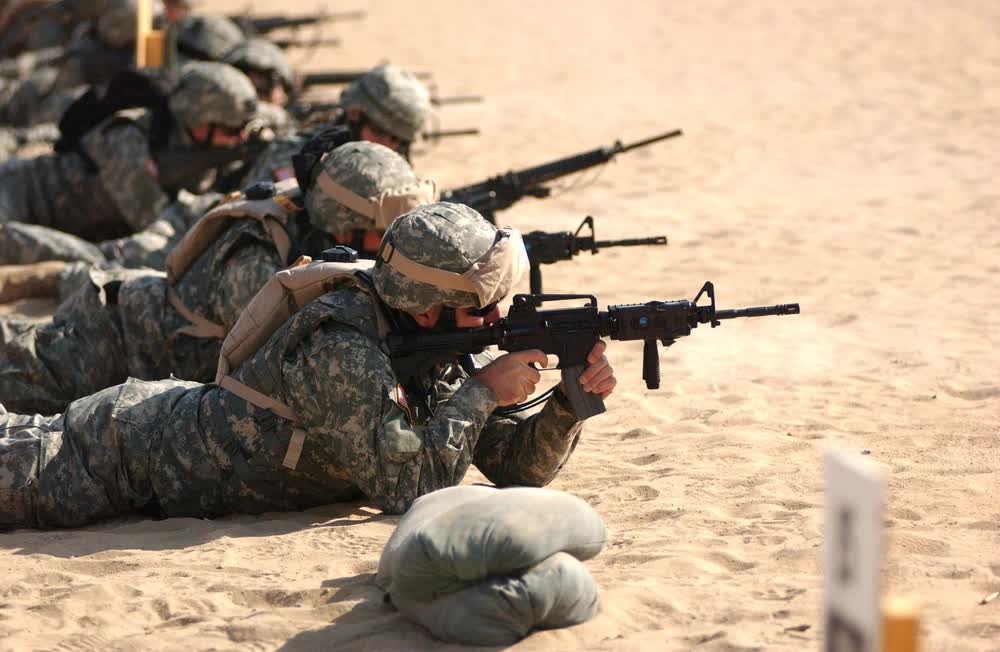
{"x":837,"y":153}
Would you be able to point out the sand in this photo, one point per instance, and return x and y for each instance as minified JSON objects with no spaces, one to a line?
{"x":836,"y":154}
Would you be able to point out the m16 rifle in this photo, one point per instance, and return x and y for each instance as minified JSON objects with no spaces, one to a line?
{"x":285,"y":43}
{"x":267,"y":24}
{"x":439,"y":100}
{"x":570,"y":333}
{"x":179,"y":166}
{"x":333,"y":77}
{"x":448,"y":133}
{"x":545,"y":247}
{"x":502,"y":191}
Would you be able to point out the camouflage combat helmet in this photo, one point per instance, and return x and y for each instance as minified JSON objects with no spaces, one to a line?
{"x":392,"y":98}
{"x":261,"y":55}
{"x":212,"y":93}
{"x":366,"y":169}
{"x":207,"y":37}
{"x":117,"y":23}
{"x":450,"y":238}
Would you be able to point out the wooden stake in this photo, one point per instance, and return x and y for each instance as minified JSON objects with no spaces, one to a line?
{"x":900,"y":625}
{"x":143,"y":25}
{"x":154,"y":48}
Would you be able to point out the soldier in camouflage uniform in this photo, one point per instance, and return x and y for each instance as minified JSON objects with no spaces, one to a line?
{"x":172,"y":448}
{"x":108,"y":184}
{"x":206,"y":38}
{"x":385,"y":100}
{"x":126,"y":323}
{"x":386,"y":105}
{"x":267,"y":67}
{"x":27,"y":25}
{"x":41,"y":84}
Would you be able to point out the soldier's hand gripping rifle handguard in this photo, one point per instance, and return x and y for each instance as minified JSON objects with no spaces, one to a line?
{"x":547,"y":247}
{"x":571,"y":333}
{"x":504,"y":190}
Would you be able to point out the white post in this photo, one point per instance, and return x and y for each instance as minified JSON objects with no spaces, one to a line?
{"x":852,"y":553}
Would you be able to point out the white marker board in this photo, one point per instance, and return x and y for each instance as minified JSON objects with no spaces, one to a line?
{"x":852,"y":552}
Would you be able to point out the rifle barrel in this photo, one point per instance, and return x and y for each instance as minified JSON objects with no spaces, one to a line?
{"x":759,"y":311}
{"x":632,"y":242}
{"x":285,"y":43}
{"x":341,"y":77}
{"x":655,"y":139}
{"x":265,"y":24}
{"x":444,"y":133}
{"x":456,"y":99}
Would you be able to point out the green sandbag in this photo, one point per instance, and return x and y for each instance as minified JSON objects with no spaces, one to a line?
{"x":558,"y":592}
{"x":485,"y":566}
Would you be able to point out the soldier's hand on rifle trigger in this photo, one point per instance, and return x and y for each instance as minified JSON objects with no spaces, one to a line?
{"x":511,"y":376}
{"x":598,"y":377}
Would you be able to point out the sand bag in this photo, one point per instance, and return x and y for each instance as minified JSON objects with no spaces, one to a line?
{"x":485,"y":566}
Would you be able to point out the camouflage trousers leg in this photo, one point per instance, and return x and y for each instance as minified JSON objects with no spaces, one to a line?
{"x":22,"y":243}
{"x":44,"y":366}
{"x":72,"y":469}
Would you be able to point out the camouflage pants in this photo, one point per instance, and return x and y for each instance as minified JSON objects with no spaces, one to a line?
{"x":22,"y":243}
{"x":93,"y":462}
{"x":118,"y":325}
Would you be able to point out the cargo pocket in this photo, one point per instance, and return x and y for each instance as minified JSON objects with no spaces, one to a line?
{"x":399,"y":440}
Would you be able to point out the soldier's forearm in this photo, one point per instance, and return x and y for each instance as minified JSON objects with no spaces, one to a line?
{"x":529,"y":451}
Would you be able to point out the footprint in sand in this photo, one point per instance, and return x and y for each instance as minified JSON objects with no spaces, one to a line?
{"x":980,"y":394}
{"x":646,"y":460}
{"x":728,"y":562}
{"x":79,"y":642}
{"x":645,"y":492}
{"x":922,"y":546}
{"x":637,"y":433}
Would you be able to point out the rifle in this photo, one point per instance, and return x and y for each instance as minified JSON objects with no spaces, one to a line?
{"x":456,"y":99}
{"x":570,"y":333}
{"x":339,"y":77}
{"x":502,"y":191}
{"x":267,"y":24}
{"x":181,"y":165}
{"x":447,"y":133}
{"x":545,"y":248}
{"x":285,"y":43}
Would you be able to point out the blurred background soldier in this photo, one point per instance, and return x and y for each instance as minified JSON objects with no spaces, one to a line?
{"x":39,"y":85}
{"x":271,"y":73}
{"x":27,"y":25}
{"x":23,"y":244}
{"x":205,"y":38}
{"x":104,"y":181}
{"x":386,"y":105}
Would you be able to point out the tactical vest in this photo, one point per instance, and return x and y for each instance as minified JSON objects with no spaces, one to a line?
{"x":281,"y":297}
{"x":271,"y":212}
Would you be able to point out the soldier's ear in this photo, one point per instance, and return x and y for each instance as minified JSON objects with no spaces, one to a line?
{"x":427,"y":319}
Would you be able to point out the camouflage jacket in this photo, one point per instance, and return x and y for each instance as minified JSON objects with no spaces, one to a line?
{"x":63,"y":191}
{"x":219,"y":454}
{"x":183,"y":449}
{"x":218,"y":286}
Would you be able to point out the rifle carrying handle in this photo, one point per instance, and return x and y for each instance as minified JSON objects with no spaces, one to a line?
{"x":584,"y":404}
